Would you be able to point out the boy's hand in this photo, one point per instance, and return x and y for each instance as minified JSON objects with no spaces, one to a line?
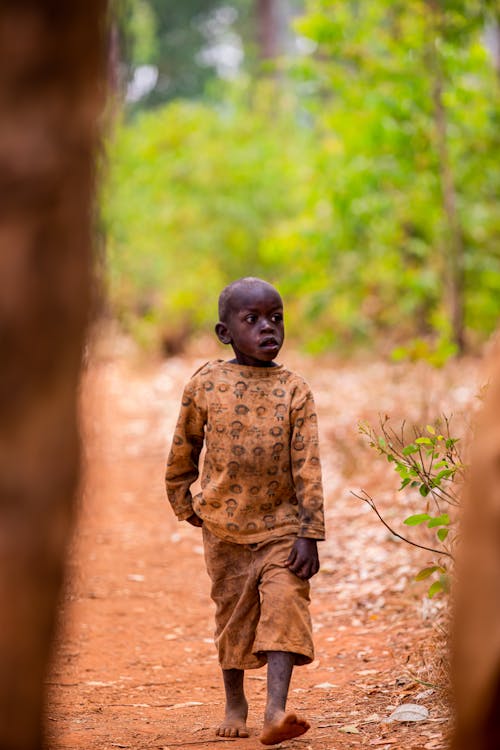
{"x":303,"y":559}
{"x":194,"y":520}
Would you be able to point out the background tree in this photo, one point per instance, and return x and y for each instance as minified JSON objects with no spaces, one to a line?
{"x":361,"y":180}
{"x":189,"y":45}
{"x":413,"y":81}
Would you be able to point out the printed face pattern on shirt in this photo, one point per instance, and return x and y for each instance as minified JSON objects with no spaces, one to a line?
{"x":258,"y":425}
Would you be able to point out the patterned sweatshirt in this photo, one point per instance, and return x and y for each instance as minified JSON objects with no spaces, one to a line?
{"x":261,"y":475}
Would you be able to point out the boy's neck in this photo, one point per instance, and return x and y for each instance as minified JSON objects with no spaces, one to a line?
{"x":244,"y":364}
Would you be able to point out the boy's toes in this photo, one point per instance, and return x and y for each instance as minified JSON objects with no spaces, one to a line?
{"x":231,"y":731}
{"x":283,"y":727}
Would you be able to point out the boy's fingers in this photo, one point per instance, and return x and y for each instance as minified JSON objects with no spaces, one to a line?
{"x":308,"y":569}
{"x":295,"y":568}
{"x":299,"y":567}
{"x":303,"y":574}
{"x":291,"y":559}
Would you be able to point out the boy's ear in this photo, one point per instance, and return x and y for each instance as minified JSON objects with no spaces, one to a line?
{"x":223,"y":334}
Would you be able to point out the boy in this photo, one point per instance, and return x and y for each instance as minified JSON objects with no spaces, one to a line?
{"x":261,"y":504}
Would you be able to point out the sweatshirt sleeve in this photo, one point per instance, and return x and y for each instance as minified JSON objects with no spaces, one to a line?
{"x":306,"y":466}
{"x":182,"y":464}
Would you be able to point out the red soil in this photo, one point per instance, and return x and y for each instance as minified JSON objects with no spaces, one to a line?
{"x":135,"y":664}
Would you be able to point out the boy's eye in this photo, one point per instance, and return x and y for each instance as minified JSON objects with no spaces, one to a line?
{"x":251,"y":318}
{"x":277,"y":318}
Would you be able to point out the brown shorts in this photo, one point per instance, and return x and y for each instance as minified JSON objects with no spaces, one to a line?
{"x":260,"y":605}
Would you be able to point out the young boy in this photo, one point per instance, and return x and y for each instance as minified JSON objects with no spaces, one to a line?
{"x":261,"y":504}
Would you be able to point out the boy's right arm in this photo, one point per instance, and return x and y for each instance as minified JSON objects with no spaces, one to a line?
{"x":182,"y":464}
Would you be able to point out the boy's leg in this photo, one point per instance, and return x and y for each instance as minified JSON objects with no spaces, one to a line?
{"x":234,"y":723}
{"x":278,"y":724}
{"x":237,"y":614}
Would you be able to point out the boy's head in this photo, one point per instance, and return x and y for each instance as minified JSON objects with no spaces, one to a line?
{"x":251,"y":320}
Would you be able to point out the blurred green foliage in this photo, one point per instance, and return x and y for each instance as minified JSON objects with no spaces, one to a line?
{"x":168,"y":35}
{"x":326,"y":180}
{"x":175,"y":38}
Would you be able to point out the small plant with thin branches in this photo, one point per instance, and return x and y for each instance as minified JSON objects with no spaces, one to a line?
{"x":431,"y":467}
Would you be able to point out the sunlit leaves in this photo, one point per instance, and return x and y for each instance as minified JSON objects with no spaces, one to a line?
{"x":327,"y":182}
{"x":428,"y":464}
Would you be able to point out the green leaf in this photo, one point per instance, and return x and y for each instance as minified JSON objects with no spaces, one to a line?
{"x":442,"y":534}
{"x":409,"y":449}
{"x":405,"y":483}
{"x":416,"y":519}
{"x":423,"y":441}
{"x":443,"y":474}
{"x":441,"y":464}
{"x":442,"y":520}
{"x":430,"y":429}
{"x":426,"y":572}
{"x":436,"y":587}
{"x":424,"y":490}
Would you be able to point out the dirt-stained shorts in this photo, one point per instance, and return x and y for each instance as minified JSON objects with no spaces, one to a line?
{"x":260,"y":605}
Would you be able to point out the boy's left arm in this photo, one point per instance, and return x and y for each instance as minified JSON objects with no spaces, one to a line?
{"x":306,"y":470}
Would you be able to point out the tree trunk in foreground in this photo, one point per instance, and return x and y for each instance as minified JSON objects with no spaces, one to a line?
{"x":52,"y":68}
{"x":476,"y":631}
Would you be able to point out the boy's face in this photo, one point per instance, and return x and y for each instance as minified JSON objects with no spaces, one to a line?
{"x":254,"y":325}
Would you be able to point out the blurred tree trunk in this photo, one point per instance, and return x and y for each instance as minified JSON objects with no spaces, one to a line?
{"x":454,"y":261}
{"x":273,"y":23}
{"x":268,"y":32}
{"x":52,"y":69}
{"x":476,"y":631}
{"x":454,"y":243}
{"x":492,"y":37}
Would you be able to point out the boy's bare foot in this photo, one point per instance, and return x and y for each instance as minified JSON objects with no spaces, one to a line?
{"x":283,"y":726}
{"x":234,"y":723}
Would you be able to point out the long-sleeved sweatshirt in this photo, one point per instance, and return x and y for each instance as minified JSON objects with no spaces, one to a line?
{"x":261,"y":474}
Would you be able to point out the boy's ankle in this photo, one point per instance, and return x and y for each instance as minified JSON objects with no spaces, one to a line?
{"x":236,"y":702}
{"x":273,"y":711}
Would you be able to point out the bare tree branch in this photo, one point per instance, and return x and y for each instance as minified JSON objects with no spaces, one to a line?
{"x":371,"y":502}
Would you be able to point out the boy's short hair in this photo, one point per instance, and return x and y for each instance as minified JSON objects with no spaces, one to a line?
{"x":228,"y":291}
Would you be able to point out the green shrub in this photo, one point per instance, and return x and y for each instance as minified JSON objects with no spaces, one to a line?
{"x":431,"y":468}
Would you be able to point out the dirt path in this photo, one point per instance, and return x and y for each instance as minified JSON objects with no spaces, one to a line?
{"x":136,"y":666}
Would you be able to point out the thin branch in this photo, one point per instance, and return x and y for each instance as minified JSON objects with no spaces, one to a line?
{"x":371,"y":502}
{"x":448,"y":497}
{"x":423,"y":472}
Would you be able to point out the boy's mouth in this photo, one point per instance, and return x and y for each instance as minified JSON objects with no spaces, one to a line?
{"x":269,"y":343}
